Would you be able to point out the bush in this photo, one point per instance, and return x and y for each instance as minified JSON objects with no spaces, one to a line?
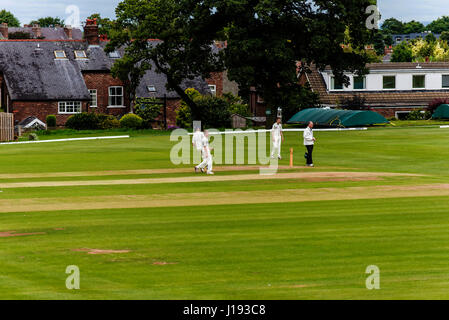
{"x":418,"y":115}
{"x":148,"y":109}
{"x":184,"y":117}
{"x":33,"y":137}
{"x":83,"y":121}
{"x":51,"y":121}
{"x":131,"y":121}
{"x":106,"y":122}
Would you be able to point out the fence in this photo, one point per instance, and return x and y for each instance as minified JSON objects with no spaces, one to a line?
{"x":6,"y":127}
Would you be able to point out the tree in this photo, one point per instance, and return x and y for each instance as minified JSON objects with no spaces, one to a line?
{"x":392,"y":26}
{"x":444,"y":36}
{"x":48,"y":22}
{"x":402,"y":53}
{"x":413,"y":27}
{"x":266,"y":38}
{"x":430,"y":38}
{"x":379,"y":43}
{"x":439,"y":25}
{"x":186,"y":31}
{"x":265,"y":41}
{"x":104,"y":24}
{"x":9,"y":18}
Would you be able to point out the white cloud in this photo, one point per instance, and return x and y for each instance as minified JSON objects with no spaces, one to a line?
{"x":420,"y":10}
{"x":28,"y":10}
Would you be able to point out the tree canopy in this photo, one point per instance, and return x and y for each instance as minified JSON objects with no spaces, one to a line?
{"x":104,"y":24}
{"x":265,"y":40}
{"x":9,"y":18}
{"x":48,"y":22}
{"x":439,"y":25}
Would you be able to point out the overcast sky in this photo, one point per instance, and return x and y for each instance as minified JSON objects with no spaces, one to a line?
{"x":420,"y":10}
{"x":27,"y":10}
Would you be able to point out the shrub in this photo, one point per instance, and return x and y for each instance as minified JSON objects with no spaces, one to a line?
{"x":33,"y":137}
{"x":83,"y":121}
{"x":131,"y":121}
{"x":106,"y":122}
{"x":184,"y":117}
{"x":148,"y":109}
{"x":418,"y":115}
{"x":51,"y":121}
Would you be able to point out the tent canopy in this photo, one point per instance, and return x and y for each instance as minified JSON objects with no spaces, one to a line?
{"x":337,"y":118}
{"x":442,"y":112}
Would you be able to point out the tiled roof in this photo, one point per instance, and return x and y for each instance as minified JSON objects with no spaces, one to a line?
{"x":52,"y":33}
{"x":378,"y":98}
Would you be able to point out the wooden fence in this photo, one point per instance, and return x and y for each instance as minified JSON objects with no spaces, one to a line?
{"x":6,"y":127}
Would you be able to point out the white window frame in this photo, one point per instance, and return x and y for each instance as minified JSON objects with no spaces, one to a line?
{"x":395,"y":82}
{"x":60,"y":51}
{"x":213,"y":89}
{"x":114,"y":55}
{"x":442,"y":76}
{"x":151,"y":89}
{"x":111,"y":96}
{"x":364,"y":83}
{"x":66,"y":103}
{"x":332,"y":85}
{"x":77,"y":56}
{"x":425,"y":81}
{"x":93,"y":92}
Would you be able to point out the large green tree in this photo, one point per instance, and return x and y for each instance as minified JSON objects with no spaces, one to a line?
{"x":265,"y":40}
{"x":48,"y":22}
{"x":413,"y":27}
{"x":9,"y":18}
{"x":392,"y":26}
{"x":402,"y":53}
{"x":439,"y":25}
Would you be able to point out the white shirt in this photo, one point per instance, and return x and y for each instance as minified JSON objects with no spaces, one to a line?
{"x":276,"y":131}
{"x":206,"y":147}
{"x":198,"y":140}
{"x":308,"y":137}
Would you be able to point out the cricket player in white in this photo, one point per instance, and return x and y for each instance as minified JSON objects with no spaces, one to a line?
{"x":207,"y":155}
{"x":278,"y":137}
{"x":309,"y":142}
{"x":197,"y":142}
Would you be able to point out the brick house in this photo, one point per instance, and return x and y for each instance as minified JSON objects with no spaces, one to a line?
{"x":391,"y":89}
{"x":40,"y":77}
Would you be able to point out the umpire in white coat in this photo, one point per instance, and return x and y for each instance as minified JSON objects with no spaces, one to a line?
{"x":309,"y":142}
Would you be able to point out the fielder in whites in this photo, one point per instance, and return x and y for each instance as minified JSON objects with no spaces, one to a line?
{"x":309,"y":142}
{"x":207,"y":155}
{"x":197,"y":142}
{"x":277,"y":136}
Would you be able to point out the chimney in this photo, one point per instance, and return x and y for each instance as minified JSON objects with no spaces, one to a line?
{"x":91,"y":33}
{"x":68,"y":32}
{"x":4,"y":30}
{"x":37,"y":31}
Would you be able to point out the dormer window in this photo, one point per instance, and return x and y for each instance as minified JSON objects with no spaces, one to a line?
{"x":114,"y":55}
{"x":80,"y":54}
{"x":60,"y":54}
{"x":151,"y":89}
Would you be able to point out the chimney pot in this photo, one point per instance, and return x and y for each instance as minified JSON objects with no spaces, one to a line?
{"x":91,"y":32}
{"x":69,"y":32}
{"x":37,"y":30}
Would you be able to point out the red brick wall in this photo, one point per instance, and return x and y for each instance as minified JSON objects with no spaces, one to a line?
{"x":102,"y":82}
{"x":172,"y":106}
{"x":217,"y":80}
{"x":40,"y":110}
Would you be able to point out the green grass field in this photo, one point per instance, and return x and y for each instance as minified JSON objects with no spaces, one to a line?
{"x":300,"y":235}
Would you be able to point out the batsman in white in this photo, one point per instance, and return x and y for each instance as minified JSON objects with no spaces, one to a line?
{"x":207,"y":155}
{"x":277,"y":137}
{"x":197,"y":142}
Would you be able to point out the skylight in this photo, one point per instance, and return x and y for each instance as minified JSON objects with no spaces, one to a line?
{"x":60,"y":54}
{"x":80,"y":54}
{"x":114,"y":55}
{"x":151,"y":88}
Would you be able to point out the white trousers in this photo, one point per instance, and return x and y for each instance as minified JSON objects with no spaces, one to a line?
{"x":207,"y":162}
{"x":276,"y":146}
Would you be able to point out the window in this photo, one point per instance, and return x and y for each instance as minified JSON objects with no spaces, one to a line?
{"x":213,"y":89}
{"x":359,"y":83}
{"x":151,"y":89}
{"x":93,"y":98}
{"x":116,"y":96}
{"x":419,"y":82}
{"x":60,"y":54}
{"x":389,"y":82}
{"x":445,"y":83}
{"x":398,"y":40}
{"x":69,"y":107}
{"x":114,"y":55}
{"x":336,"y":84}
{"x":80,"y":54}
